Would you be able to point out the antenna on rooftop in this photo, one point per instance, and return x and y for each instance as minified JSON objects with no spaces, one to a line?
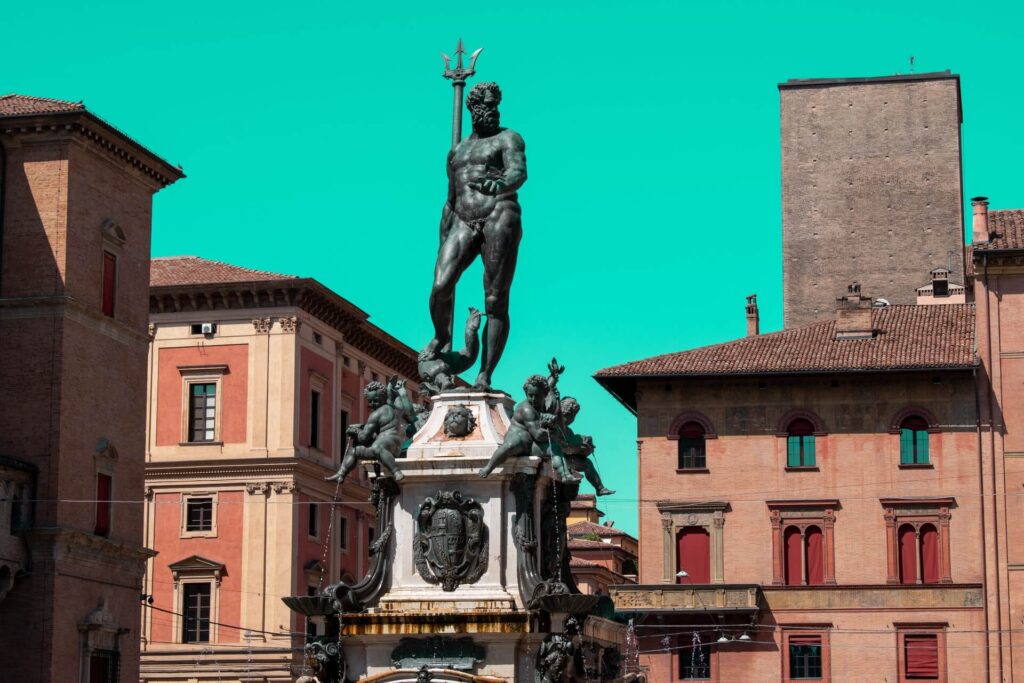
{"x":911,"y":63}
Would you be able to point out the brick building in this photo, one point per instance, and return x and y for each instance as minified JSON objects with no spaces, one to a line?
{"x":871,"y":187}
{"x":602,"y":556}
{"x":839,"y":500}
{"x":74,"y":279}
{"x":254,"y":377}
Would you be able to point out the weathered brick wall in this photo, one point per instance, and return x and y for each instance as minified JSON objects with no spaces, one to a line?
{"x":871,"y":190}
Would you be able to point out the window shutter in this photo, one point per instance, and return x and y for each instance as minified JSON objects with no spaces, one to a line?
{"x":906,"y":446}
{"x":793,"y":451}
{"x":104,"y":486}
{"x":809,"y":451}
{"x":922,"y":446}
{"x":922,"y":655}
{"x":109,"y":282}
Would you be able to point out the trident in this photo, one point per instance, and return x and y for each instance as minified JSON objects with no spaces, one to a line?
{"x":458,"y":77}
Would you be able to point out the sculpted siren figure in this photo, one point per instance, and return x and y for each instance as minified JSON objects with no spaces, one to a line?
{"x":481,"y":217}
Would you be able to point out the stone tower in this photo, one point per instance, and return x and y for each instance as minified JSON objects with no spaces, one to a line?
{"x":871,"y":188}
{"x":74,"y":311}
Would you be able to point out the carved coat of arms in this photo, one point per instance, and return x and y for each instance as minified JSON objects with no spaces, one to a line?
{"x":450,"y":545}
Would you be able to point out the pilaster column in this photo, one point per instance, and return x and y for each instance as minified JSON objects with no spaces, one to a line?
{"x":891,"y":549}
{"x":718,"y":547}
{"x":778,"y":573}
{"x":829,"y":549}
{"x":945,"y":573}
{"x":669,"y":550}
{"x":254,"y":559}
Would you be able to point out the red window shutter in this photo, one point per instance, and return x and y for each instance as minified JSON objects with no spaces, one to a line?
{"x":908,"y":554}
{"x":929,"y":554}
{"x":815,"y":557}
{"x":109,"y":282}
{"x":794,"y":568}
{"x":104,"y":484}
{"x":921,"y":655}
{"x":695,"y":555}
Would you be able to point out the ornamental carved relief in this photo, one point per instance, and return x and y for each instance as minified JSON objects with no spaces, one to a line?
{"x":290,"y":324}
{"x":262,"y":325}
{"x":459,"y":422}
{"x":450,"y":545}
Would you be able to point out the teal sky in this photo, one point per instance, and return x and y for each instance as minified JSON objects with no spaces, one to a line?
{"x":314,"y":137}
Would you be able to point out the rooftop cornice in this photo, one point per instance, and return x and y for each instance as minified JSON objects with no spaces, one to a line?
{"x":304,"y":293}
{"x":98,"y":132}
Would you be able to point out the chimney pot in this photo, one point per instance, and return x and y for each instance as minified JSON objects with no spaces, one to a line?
{"x":753,"y":317}
{"x":853,"y":315}
{"x":979,"y":226}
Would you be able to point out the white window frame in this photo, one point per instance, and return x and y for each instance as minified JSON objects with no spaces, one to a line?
{"x":185,"y":498}
{"x":178,"y":619}
{"x":202,"y":374}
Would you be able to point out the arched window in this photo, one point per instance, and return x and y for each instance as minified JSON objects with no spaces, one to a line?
{"x":794,"y":562}
{"x":694,"y":555}
{"x":914,"y":441}
{"x":815,"y":556}
{"x":691,"y":447}
{"x":908,"y":554}
{"x":929,"y":540}
{"x":805,"y":556}
{"x":800,"y":443}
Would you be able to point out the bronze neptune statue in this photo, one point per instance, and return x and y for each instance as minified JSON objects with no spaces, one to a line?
{"x":481,"y":217}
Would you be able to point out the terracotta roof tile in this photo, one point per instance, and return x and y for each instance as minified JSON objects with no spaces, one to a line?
{"x":192,"y":270}
{"x":584,"y":528}
{"x":587,"y":544}
{"x":907,"y":337}
{"x":23,"y":105}
{"x":580,"y":564}
{"x":1007,"y":228}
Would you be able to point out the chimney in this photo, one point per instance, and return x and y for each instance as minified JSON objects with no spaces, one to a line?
{"x":753,"y":317}
{"x":940,"y":282}
{"x":853,"y":315}
{"x":980,"y":231}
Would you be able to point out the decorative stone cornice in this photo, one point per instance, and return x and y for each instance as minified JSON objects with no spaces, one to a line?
{"x":259,"y":488}
{"x":290,"y":324}
{"x":91,"y":129}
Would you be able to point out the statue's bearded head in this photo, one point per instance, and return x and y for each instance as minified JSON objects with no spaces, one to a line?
{"x":483,"y":101}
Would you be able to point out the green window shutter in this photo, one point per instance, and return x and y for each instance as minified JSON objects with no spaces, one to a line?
{"x":922,"y":446}
{"x":809,"y":451}
{"x":906,"y":446}
{"x":793,"y":451}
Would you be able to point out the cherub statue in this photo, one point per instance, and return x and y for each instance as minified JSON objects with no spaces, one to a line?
{"x":439,"y":369}
{"x":530,"y":430}
{"x":578,"y":447}
{"x":553,"y":659}
{"x":381,"y":437}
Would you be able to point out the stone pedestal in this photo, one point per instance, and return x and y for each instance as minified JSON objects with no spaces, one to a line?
{"x":449,"y":574}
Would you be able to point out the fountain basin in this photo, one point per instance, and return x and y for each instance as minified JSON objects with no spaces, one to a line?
{"x":310,"y":605}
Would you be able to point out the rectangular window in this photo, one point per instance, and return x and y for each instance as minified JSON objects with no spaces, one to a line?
{"x":109,"y":283}
{"x":314,"y":520}
{"x":202,"y":405}
{"x":103,"y":666}
{"x":913,"y":446}
{"x":695,"y":663}
{"x":691,"y":453}
{"x":921,"y":656}
{"x":314,"y":419}
{"x":196,"y":613}
{"x":104,"y":489}
{"x":800,"y":451}
{"x":805,"y":661}
{"x":199,"y":514}
{"x":343,"y":532}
